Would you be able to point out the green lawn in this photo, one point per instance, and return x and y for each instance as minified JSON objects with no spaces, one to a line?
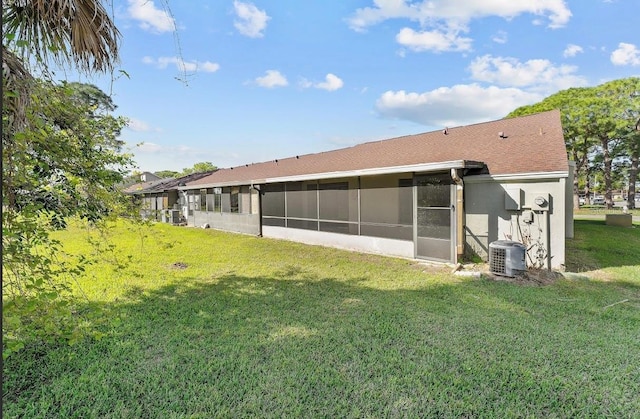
{"x":209,"y":324}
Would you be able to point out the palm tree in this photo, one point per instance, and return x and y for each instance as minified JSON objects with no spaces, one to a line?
{"x":78,"y":32}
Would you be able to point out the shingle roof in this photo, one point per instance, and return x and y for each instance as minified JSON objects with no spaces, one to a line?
{"x":529,"y":144}
{"x":163,"y":185}
{"x":143,"y":187}
{"x":181,"y":181}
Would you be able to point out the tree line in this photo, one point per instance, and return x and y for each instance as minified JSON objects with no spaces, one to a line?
{"x":602,"y":133}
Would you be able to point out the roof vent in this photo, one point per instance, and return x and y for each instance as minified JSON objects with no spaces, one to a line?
{"x":501,"y":134}
{"x":445,"y":131}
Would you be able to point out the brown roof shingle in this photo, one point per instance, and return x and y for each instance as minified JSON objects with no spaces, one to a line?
{"x":530,"y":144}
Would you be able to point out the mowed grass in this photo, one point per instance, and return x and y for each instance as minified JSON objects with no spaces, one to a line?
{"x":202,"y":323}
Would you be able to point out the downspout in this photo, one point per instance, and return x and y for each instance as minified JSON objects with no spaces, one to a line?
{"x":460,"y":239}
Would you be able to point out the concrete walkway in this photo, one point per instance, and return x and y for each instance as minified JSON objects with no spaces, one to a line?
{"x":635,"y":218}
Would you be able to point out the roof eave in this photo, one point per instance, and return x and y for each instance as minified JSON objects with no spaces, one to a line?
{"x":422,"y":167}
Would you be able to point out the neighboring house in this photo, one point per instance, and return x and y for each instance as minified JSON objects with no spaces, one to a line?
{"x":436,"y":196}
{"x":160,"y":198}
{"x":148,"y":177}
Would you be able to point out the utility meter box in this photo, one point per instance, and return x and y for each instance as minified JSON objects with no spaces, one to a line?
{"x":513,"y":199}
{"x":539,"y":202}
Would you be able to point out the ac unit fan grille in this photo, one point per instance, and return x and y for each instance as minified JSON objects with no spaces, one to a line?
{"x":497,"y":260}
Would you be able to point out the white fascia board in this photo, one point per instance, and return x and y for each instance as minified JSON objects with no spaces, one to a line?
{"x":425,"y":167}
{"x":222,"y":184}
{"x":519,"y":177}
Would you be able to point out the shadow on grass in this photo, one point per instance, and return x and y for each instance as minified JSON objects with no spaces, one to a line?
{"x":298,"y":345}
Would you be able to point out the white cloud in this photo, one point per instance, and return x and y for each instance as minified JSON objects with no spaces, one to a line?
{"x":153,"y":157}
{"x":330,"y":83}
{"x":251,"y":20}
{"x":572,"y":50}
{"x":138,"y":125}
{"x":432,"y":40}
{"x":272,"y":78}
{"x":626,"y":54}
{"x":453,"y":106}
{"x":151,"y":18}
{"x":186,"y":66}
{"x":458,"y":13}
{"x":147,"y":147}
{"x":534,"y":74}
{"x":500,"y":37}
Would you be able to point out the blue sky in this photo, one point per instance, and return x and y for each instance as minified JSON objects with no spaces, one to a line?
{"x":235,"y":82}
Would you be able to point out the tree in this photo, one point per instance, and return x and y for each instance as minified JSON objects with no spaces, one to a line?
{"x":78,"y":32}
{"x":598,"y":127}
{"x":60,"y":158}
{"x":578,"y":142}
{"x":624,"y":98}
{"x":200,"y":167}
{"x":165,"y":174}
{"x":66,"y":162}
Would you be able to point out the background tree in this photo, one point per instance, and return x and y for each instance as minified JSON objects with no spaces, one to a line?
{"x":200,"y":167}
{"x":579,"y":142}
{"x":165,"y":174}
{"x":624,"y":98}
{"x":598,"y":125}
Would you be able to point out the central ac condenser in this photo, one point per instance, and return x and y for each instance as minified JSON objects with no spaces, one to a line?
{"x":507,"y":258}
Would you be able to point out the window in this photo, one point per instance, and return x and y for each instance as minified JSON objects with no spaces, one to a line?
{"x":244,"y":205}
{"x":273,"y":200}
{"x":302,"y":200}
{"x":434,"y":191}
{"x":210,"y":200}
{"x":203,"y":199}
{"x":234,"y":199}
{"x":334,"y":201}
{"x":378,"y":206}
{"x":386,"y":204}
{"x":191,"y":198}
{"x":225,"y":200}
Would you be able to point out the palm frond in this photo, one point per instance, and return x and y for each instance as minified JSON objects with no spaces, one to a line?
{"x":76,"y":31}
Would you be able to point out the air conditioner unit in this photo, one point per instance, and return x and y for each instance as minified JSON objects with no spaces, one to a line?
{"x":175,"y":216}
{"x":507,"y":258}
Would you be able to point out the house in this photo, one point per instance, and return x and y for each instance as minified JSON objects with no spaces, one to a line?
{"x":438,"y":196}
{"x":160,"y":199}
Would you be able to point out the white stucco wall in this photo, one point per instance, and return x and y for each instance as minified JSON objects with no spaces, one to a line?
{"x":499,"y":209}
{"x":377,"y":245}
{"x":234,"y":222}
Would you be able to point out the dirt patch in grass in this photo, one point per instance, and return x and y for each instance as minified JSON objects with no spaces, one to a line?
{"x":432,"y":268}
{"x":179,"y":265}
{"x":532,"y":277}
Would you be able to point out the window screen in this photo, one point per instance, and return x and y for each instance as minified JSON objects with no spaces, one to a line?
{"x":302,"y":200}
{"x":273,"y":200}
{"x":334,"y":201}
{"x":234,"y":203}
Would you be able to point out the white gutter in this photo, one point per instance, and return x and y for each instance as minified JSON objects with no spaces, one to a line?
{"x":516,"y":177}
{"x":423,"y":167}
